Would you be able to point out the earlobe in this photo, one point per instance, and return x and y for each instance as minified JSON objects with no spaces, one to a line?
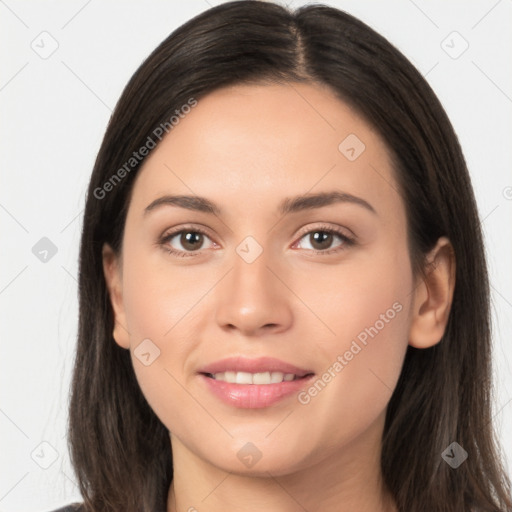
{"x":112,"y":273}
{"x":433,"y":297}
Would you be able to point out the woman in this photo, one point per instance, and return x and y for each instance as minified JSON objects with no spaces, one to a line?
{"x":284,"y":301}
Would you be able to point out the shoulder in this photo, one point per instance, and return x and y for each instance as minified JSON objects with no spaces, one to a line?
{"x":75,"y":507}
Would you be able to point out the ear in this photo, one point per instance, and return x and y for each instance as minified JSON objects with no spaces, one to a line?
{"x":433,"y":296}
{"x":113,"y":279}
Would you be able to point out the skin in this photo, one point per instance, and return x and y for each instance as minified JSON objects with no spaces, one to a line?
{"x":246,"y":148}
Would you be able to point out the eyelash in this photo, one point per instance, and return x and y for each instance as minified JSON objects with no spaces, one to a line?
{"x":347,"y":241}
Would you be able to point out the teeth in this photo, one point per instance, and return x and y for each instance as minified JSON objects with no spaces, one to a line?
{"x":276,"y":377}
{"x":243,"y":378}
{"x":228,"y":376}
{"x":261,"y":378}
{"x":254,"y":378}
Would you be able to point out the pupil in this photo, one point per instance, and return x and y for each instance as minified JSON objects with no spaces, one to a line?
{"x":191,"y":238}
{"x":321,"y":236}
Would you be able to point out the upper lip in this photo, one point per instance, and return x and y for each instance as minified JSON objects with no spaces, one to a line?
{"x":258,"y":365}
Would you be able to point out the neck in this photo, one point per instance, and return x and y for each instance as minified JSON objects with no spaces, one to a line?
{"x":344,"y":480}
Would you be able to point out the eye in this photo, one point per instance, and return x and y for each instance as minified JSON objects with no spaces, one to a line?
{"x":320,"y":239}
{"x":190,"y":239}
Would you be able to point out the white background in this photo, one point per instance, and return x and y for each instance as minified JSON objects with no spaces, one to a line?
{"x":53,"y":115}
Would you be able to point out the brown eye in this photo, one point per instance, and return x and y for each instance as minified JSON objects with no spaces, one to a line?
{"x":191,"y":240}
{"x":321,"y":240}
{"x":185,"y":242}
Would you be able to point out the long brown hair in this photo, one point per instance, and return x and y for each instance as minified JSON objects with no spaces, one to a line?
{"x":120,"y":449}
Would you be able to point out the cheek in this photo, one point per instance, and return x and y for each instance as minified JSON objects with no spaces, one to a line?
{"x":368,"y":311}
{"x":163,"y":309}
{"x":363,"y":297}
{"x":158,"y":297}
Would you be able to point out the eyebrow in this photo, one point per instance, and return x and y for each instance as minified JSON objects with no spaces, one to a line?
{"x":288,"y":205}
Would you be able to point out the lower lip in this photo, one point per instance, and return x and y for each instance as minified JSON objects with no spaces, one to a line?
{"x":254,"y":396}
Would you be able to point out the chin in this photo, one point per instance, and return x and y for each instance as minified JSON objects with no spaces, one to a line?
{"x":261,"y":458}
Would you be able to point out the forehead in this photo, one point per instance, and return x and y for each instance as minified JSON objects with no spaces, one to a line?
{"x":244,"y":143}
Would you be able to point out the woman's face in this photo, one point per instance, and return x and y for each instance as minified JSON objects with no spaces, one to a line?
{"x":273,"y":286}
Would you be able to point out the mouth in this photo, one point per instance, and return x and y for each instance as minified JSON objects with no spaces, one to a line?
{"x":260,"y":378}
{"x":253,"y":383}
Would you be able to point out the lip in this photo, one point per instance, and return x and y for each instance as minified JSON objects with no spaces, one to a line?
{"x":261,"y":364}
{"x":253,"y":396}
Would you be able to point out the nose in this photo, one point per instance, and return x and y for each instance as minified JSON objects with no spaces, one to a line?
{"x":253,"y":298}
